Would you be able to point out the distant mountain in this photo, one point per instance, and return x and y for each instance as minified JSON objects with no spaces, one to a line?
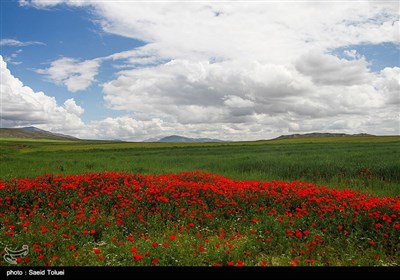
{"x":318,"y":134}
{"x":177,"y":138}
{"x":32,"y":132}
{"x":32,"y":128}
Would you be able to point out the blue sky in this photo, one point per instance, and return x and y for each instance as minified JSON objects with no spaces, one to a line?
{"x":63,"y":32}
{"x":233,"y":71}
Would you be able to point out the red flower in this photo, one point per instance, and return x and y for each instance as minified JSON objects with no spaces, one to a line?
{"x":371,"y":242}
{"x":172,"y":237}
{"x":154,"y":244}
{"x":137,"y":257}
{"x":154,"y":261}
{"x":263,"y":263}
{"x":85,"y":232}
{"x":201,"y":249}
{"x":231,"y":263}
{"x":378,"y":225}
{"x":133,"y":250}
{"x":240,"y":263}
{"x":96,"y":251}
{"x":294,"y":262}
{"x":248,"y":253}
{"x":165,"y":245}
{"x":71,"y":247}
{"x":217,"y":245}
{"x":93,"y":231}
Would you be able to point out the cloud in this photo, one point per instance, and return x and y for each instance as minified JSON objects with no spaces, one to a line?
{"x":201,"y":92}
{"x":16,"y":43}
{"x":12,"y":58}
{"x":74,"y":74}
{"x":388,"y":83}
{"x":327,"y":69}
{"x":20,"y":106}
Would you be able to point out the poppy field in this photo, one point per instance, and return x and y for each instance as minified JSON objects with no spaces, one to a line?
{"x":194,"y":219}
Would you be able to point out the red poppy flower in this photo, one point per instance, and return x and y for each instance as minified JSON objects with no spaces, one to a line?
{"x":133,"y":250}
{"x":137,"y":257}
{"x":96,"y":251}
{"x":371,"y":242}
{"x":172,"y":237}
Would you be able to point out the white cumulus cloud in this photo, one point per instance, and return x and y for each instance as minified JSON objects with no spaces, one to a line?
{"x":20,"y":106}
{"x":74,"y":74}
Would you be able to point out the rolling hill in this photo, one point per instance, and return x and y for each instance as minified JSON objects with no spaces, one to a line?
{"x":32,"y":132}
{"x":181,"y":139}
{"x":318,"y":134}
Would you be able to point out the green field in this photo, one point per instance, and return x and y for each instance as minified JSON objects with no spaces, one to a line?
{"x":371,"y":164}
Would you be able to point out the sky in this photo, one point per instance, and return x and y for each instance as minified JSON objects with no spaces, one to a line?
{"x":230,"y":70}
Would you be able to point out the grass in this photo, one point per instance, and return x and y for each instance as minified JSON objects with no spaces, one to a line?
{"x":371,"y":164}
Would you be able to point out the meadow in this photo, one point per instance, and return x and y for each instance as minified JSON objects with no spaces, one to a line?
{"x":371,"y":164}
{"x":309,"y":201}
